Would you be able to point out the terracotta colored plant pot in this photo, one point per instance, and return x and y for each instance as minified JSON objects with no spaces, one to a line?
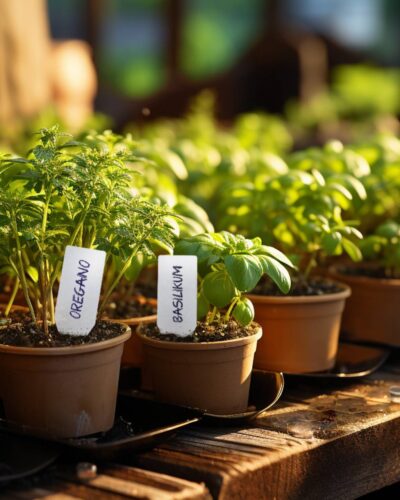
{"x":62,"y":391}
{"x":212,"y":376}
{"x":19,"y":299}
{"x":301,"y":333}
{"x":16,"y":308}
{"x":133,"y":350}
{"x":6,"y":287}
{"x":372,"y":312}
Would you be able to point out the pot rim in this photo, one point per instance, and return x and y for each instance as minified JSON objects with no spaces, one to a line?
{"x":136,"y":320}
{"x":152,"y":318}
{"x":199,"y":346}
{"x":304,"y":299}
{"x":367,"y":280}
{"x":15,"y":307}
{"x":67,"y":350}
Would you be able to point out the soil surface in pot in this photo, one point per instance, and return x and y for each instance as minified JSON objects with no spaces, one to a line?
{"x":32,"y":335}
{"x":313,"y":286}
{"x":147,"y":290}
{"x":135,"y":307}
{"x":13,"y":317}
{"x":366,"y":272}
{"x":212,"y":332}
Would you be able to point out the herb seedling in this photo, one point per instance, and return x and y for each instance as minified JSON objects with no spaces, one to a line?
{"x":301,"y":212}
{"x":230,"y":266}
{"x":383,"y":248}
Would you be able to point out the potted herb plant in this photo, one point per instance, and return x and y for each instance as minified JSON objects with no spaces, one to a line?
{"x":371,"y":314}
{"x":157,"y":170}
{"x":301,"y":213}
{"x":211,"y":368}
{"x":67,"y":193}
{"x":136,"y":303}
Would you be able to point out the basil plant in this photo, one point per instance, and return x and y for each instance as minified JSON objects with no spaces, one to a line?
{"x":229,"y":267}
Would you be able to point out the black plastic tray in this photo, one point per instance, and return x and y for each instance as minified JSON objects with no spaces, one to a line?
{"x":21,"y":456}
{"x":265,"y":390}
{"x":352,"y":361}
{"x":139,"y":424}
{"x":142,"y":422}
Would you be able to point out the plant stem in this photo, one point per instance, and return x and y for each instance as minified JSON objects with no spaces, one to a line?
{"x":211,"y":317}
{"x":43,"y":275}
{"x":117,"y":280}
{"x":12,"y":298}
{"x":311,"y":264}
{"x":51,"y":306}
{"x":82,"y":218}
{"x":49,"y":292}
{"x":229,"y":311}
{"x":22,"y":276}
{"x":42,"y":286}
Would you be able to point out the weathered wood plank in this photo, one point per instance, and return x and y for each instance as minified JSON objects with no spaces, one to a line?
{"x":112,"y":482}
{"x":321,"y":441}
{"x":339,"y":443}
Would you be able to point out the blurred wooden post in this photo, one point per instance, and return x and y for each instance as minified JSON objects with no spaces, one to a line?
{"x":94,"y":11}
{"x":313,"y":67}
{"x":174,"y":21}
{"x":24,"y":59}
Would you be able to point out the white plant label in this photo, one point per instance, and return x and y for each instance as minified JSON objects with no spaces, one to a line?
{"x":79,"y":291}
{"x":177,"y":294}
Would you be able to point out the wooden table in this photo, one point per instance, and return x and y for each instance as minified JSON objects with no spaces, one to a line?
{"x":320,"y":441}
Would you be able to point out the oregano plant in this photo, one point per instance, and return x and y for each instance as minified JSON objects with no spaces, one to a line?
{"x":74,"y":193}
{"x":229,"y":267}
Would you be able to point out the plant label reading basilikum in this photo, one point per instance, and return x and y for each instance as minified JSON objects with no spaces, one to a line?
{"x":79,"y":291}
{"x":177,"y":294}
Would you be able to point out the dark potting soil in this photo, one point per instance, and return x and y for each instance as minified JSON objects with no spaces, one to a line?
{"x":136,"y":307}
{"x":147,"y":290}
{"x":367,"y":272}
{"x":32,"y":335}
{"x":313,"y":286}
{"x":212,"y":332}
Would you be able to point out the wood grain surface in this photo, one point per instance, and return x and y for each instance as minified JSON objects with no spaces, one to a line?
{"x":326,"y":441}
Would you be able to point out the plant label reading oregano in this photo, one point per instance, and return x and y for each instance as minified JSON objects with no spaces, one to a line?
{"x":177,"y":294}
{"x":79,"y":291}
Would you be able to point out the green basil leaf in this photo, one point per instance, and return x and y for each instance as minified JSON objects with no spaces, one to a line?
{"x":244,"y":270}
{"x":389,"y":229}
{"x":276,"y":254}
{"x":277,"y":272}
{"x":352,"y":250}
{"x":244,"y":311}
{"x":218,"y":288}
{"x":203,"y":306}
{"x":331,"y":241}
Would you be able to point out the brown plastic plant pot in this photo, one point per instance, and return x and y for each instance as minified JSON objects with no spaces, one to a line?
{"x":62,"y":391}
{"x":211,"y":376}
{"x":14,"y":308}
{"x":133,"y":351}
{"x":372,"y":312}
{"x":301,"y":333}
{"x":18,"y":301}
{"x":132,"y":354}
